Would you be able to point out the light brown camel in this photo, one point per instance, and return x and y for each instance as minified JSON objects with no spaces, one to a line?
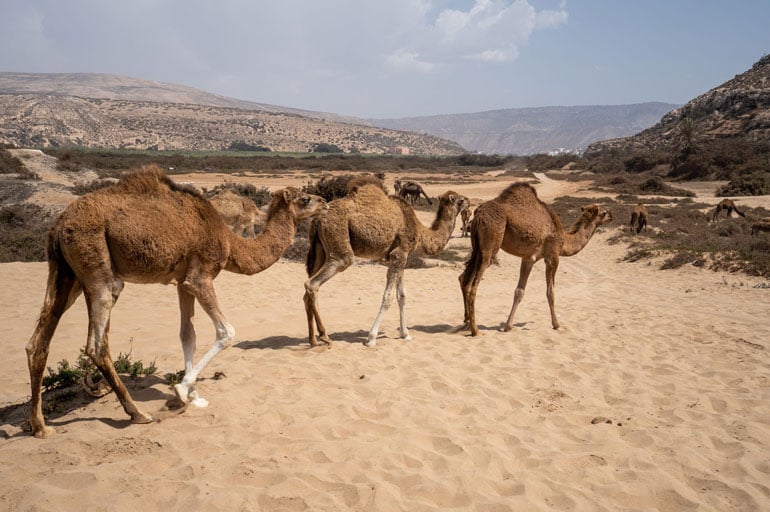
{"x":521,"y":224}
{"x":147,"y":229}
{"x":638,"y":218}
{"x":760,"y":225}
{"x":729,"y":205}
{"x":372,"y":225}
{"x":410,"y":191}
{"x":239,"y":212}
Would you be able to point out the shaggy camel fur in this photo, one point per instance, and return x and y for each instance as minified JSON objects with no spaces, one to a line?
{"x":638,"y":218}
{"x":726,"y":204}
{"x":147,"y":229}
{"x":410,"y":191}
{"x":239,"y":212}
{"x":760,"y":225}
{"x":375,"y":226}
{"x":521,"y":224}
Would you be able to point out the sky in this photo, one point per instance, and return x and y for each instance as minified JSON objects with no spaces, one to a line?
{"x":398,"y":58}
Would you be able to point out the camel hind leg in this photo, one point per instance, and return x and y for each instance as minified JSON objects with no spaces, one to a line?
{"x":61,"y":292}
{"x":100,"y":299}
{"x":327,"y":270}
{"x":481,"y":257}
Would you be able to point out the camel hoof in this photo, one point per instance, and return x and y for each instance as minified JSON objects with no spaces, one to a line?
{"x":371,"y":342}
{"x":140,"y":418}
{"x":44,"y":432}
{"x":198,"y":401}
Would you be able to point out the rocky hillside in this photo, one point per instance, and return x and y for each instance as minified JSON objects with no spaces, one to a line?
{"x":526,"y":131}
{"x":116,"y":112}
{"x":737,"y":109}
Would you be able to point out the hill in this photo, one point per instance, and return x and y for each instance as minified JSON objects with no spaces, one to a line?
{"x":737,"y":111}
{"x":117,"y":112}
{"x":526,"y":131}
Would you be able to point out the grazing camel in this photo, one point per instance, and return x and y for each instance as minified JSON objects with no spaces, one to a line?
{"x":521,"y":224}
{"x":760,"y":225}
{"x":148,"y":229}
{"x":410,"y":191}
{"x":372,"y":225}
{"x":239,"y":212}
{"x":729,"y":205}
{"x":638,"y":218}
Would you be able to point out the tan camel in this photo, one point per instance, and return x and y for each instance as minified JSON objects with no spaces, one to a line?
{"x":638,"y":218}
{"x":372,"y":225}
{"x":147,"y":229}
{"x":240,"y":213}
{"x":729,"y":205}
{"x":521,"y":224}
{"x":760,"y":225}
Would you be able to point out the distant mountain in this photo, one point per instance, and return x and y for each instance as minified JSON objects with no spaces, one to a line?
{"x":525,"y":131}
{"x":739,"y":109}
{"x":110,"y":111}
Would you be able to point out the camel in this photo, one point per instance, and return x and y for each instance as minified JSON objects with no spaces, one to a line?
{"x":638,"y":218}
{"x":521,"y":224}
{"x":148,"y":229}
{"x":410,"y":191}
{"x":239,"y":212}
{"x":729,"y":205}
{"x":465,"y":216}
{"x":760,"y":225}
{"x":372,"y":225}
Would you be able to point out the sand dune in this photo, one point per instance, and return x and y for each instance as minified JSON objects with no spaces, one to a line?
{"x":652,"y":396}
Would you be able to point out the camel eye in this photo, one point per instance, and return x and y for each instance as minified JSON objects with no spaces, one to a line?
{"x":305,"y":200}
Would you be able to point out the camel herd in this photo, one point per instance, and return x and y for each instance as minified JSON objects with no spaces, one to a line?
{"x":149,"y":229}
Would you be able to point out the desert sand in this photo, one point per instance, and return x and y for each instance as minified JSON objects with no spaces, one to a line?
{"x":654,"y":395}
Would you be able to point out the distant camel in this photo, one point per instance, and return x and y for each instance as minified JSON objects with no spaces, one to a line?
{"x":148,"y":229}
{"x":760,"y":225}
{"x":638,"y":218}
{"x":518,"y":222}
{"x":372,"y":225}
{"x":239,"y":212}
{"x":465,"y":216}
{"x":410,"y":191}
{"x":726,"y":204}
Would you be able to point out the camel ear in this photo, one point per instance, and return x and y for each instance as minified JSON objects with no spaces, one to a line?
{"x":288,"y":195}
{"x":452,"y":198}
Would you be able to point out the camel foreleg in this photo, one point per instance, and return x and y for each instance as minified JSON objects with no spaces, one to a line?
{"x":401,"y":297}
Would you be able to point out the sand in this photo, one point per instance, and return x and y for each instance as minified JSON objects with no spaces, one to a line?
{"x":654,"y":395}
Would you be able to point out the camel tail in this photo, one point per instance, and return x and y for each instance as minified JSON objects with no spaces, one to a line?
{"x":474,"y":260}
{"x":61,"y":289}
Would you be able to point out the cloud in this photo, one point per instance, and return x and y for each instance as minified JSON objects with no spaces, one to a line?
{"x":405,"y":60}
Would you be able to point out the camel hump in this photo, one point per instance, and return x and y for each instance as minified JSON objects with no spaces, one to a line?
{"x":149,"y":180}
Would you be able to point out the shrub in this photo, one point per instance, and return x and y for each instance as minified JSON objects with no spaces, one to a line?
{"x":756,"y":184}
{"x":9,"y":164}
{"x":23,"y":230}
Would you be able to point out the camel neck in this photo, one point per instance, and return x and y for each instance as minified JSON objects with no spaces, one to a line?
{"x":578,"y":237}
{"x":252,"y":255}
{"x":434,"y":239}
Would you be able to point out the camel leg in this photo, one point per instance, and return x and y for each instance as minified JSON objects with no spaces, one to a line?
{"x":100,"y":299}
{"x":61,"y":293}
{"x":187,"y":330}
{"x":550,"y":282}
{"x":330,"y":267}
{"x":202,"y":288}
{"x":395,"y":273}
{"x":401,"y":297}
{"x":518,"y":295}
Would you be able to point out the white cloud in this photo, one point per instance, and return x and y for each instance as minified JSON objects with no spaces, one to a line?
{"x":406,"y":61}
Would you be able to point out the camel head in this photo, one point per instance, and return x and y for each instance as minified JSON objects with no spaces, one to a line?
{"x":454,"y":201}
{"x":595,"y":213}
{"x":300,"y":204}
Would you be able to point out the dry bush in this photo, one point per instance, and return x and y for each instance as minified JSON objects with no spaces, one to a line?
{"x":23,"y":230}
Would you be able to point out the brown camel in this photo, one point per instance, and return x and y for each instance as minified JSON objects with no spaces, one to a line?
{"x":410,"y":191}
{"x":760,"y":225}
{"x":521,"y":224}
{"x":465,"y":217}
{"x":729,"y":205}
{"x":239,"y":212}
{"x":147,"y":229}
{"x":638,"y":218}
{"x":372,"y":225}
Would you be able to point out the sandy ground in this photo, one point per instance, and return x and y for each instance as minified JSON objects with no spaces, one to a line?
{"x":654,"y":395}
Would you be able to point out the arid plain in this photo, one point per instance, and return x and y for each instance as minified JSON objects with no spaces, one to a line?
{"x":653,"y":395}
